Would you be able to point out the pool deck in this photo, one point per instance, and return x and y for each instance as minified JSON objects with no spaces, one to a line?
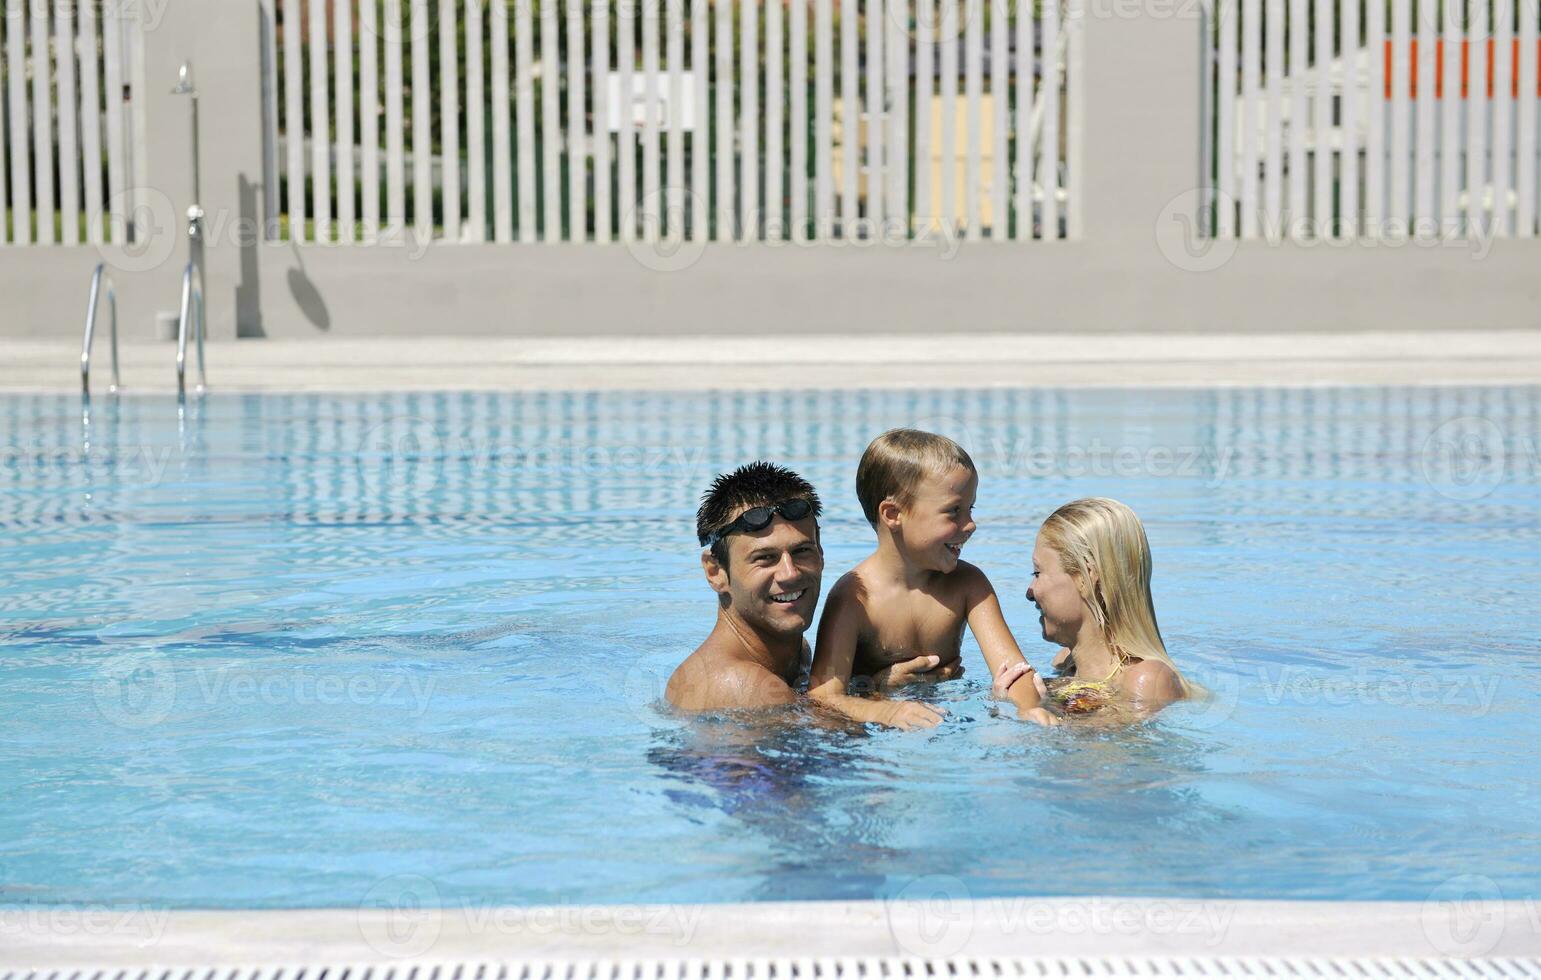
{"x":1467,"y":357}
{"x":390,"y":930}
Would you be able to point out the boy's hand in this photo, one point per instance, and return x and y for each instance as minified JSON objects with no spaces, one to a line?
{"x":1012,"y":673}
{"x":924,"y":669}
{"x":1040,"y":716}
{"x":910,"y":715}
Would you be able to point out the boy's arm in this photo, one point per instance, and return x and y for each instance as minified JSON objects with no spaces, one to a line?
{"x":831,"y":673}
{"x":996,"y":642}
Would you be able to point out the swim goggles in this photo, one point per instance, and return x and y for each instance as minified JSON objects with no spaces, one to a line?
{"x":759,"y":518}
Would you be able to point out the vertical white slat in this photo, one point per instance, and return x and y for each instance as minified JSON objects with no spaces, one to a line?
{"x":898,"y":61}
{"x":973,"y":83}
{"x":949,"y":31}
{"x":1321,"y":121}
{"x":369,"y":119}
{"x":797,"y":91}
{"x":823,"y":116}
{"x":1423,"y":114}
{"x":549,"y":55}
{"x":850,"y":116}
{"x":449,"y":118}
{"x":394,"y":37}
{"x":1454,"y":38}
{"x":272,"y":207}
{"x":320,"y":125}
{"x":1247,"y":117}
{"x":1048,"y":160}
{"x":1022,"y":70}
{"x":6,"y":27}
{"x":136,"y":131}
{"x":422,"y":124}
{"x":749,"y":119}
{"x":91,"y":123}
{"x":1348,"y":159}
{"x":674,"y":52}
{"x":1401,"y":115}
{"x":599,"y":17}
{"x":1525,"y":216}
{"x":112,"y":106}
{"x":1503,"y":109}
{"x":925,"y":86}
{"x":1375,"y":138}
{"x":650,"y":171}
{"x":700,"y":149}
{"x":775,"y":142}
{"x":626,"y":134}
{"x":1476,"y":119}
{"x":724,"y":148}
{"x":524,"y":120}
{"x":577,"y":151}
{"x":21,"y":163}
{"x":294,"y":117}
{"x":873,"y":11}
{"x":1299,"y":72}
{"x":1273,"y":177}
{"x":342,"y":33}
{"x":476,"y":126}
{"x":1075,"y":112}
{"x":1000,"y":103}
{"x":69,"y":144}
{"x":502,"y":144}
{"x":42,"y":124}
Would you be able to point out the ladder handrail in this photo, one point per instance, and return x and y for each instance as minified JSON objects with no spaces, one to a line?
{"x":99,"y":277}
{"x":190,"y":291}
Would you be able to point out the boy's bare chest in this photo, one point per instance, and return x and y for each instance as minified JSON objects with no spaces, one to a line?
{"x":901,"y":628}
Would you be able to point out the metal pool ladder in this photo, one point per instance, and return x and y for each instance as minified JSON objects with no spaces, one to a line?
{"x":99,"y":280}
{"x":192,"y":276}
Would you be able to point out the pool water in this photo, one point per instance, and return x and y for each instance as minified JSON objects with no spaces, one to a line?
{"x":284,"y":650}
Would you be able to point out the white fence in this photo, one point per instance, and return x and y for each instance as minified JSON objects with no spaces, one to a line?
{"x":74,"y":156}
{"x":1400,"y":119}
{"x":723,"y":120}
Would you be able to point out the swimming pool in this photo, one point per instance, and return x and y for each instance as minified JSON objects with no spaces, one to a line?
{"x":289,"y":649}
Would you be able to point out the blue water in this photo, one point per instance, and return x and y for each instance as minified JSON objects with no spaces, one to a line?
{"x":285,"y":648}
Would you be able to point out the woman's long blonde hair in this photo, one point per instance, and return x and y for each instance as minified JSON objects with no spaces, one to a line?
{"x":1102,"y":543}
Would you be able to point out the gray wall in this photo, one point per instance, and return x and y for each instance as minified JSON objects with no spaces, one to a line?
{"x":1137,"y":266}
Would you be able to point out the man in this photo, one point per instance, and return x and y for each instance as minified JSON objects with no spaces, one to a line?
{"x":760,"y":531}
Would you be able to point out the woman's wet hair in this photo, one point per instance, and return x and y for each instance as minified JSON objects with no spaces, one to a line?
{"x":1102,"y":544}
{"x":757,"y":484}
{"x":897,"y":461}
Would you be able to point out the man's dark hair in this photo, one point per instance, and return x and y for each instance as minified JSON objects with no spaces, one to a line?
{"x":757,"y":484}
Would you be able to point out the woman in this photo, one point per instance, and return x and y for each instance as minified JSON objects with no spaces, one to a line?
{"x":1091,"y":585}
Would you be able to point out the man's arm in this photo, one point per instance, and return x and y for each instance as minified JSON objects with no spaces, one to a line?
{"x":831,"y":675}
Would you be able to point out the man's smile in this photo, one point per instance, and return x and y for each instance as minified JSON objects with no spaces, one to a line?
{"x":786,"y":598}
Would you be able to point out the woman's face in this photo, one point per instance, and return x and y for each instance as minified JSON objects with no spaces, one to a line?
{"x":1054,"y":591}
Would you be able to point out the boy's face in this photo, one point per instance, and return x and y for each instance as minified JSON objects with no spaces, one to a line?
{"x":940,"y":518}
{"x":773,"y":575}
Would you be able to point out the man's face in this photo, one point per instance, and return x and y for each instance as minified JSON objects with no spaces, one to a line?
{"x":773,"y":575}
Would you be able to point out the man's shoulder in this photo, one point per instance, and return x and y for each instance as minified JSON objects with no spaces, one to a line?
{"x":712,"y":677}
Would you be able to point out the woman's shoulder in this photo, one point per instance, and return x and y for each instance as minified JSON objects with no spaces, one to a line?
{"x":1151,"y":679}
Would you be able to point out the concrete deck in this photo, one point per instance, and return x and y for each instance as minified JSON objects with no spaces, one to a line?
{"x":694,"y":362}
{"x":387,"y":932}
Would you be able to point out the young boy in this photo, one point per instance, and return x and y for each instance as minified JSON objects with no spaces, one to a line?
{"x":899,"y":615}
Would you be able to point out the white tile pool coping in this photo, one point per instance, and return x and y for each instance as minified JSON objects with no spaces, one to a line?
{"x":799,"y":361}
{"x":1450,"y":930}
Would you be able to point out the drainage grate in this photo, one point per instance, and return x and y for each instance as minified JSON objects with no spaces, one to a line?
{"x":850,"y":968}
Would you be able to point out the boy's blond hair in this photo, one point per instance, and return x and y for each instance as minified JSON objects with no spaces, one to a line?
{"x":895,"y":463}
